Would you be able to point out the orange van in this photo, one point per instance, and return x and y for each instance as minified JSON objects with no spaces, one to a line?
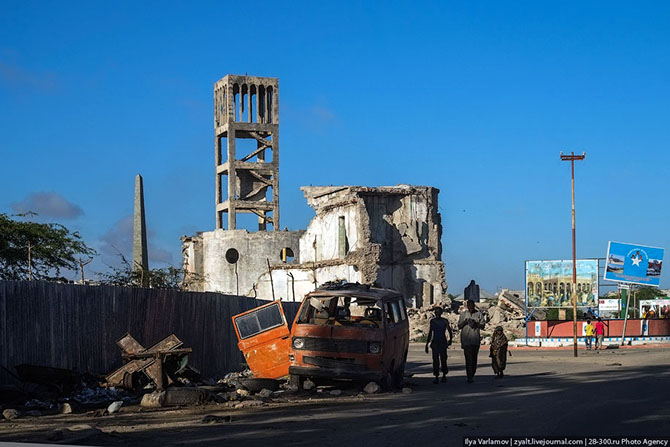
{"x":348,"y":331}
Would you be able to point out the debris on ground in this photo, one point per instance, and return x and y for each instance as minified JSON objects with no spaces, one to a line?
{"x":242,"y":392}
{"x":407,"y":390}
{"x":64,"y":408}
{"x":308,"y":384}
{"x":212,"y":419}
{"x":11,"y":413}
{"x":59,"y":380}
{"x":372,"y":388}
{"x":175,"y":397}
{"x":254,"y":385}
{"x":249,"y":404}
{"x":161,"y":365}
{"x":264,"y":393}
{"x":153,"y":400}
{"x":114,"y":407}
{"x":73,"y":435}
{"x":505,"y":310}
{"x":232,"y":379}
{"x":335,"y":392}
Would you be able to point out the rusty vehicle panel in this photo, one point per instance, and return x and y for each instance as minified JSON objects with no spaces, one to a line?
{"x":264,"y":339}
{"x":346,"y":332}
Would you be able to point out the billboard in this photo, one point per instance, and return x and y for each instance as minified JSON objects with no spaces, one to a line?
{"x":657,"y":308}
{"x":634,"y":264}
{"x":609,"y":304}
{"x":549,"y":283}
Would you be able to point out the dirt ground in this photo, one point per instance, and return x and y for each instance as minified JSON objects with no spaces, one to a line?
{"x":545,"y":393}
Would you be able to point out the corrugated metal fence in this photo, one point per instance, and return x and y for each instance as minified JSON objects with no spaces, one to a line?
{"x":76,"y":327}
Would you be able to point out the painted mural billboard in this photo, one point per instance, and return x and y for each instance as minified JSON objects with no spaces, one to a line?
{"x":549,"y":283}
{"x":634,"y":264}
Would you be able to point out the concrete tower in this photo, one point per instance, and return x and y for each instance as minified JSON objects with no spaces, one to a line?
{"x":140,"y":254}
{"x":246,"y":110}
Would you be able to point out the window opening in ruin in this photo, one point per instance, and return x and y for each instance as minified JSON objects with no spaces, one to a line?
{"x":244,"y":97}
{"x":236,"y":101}
{"x":342,"y":237}
{"x":253,"y":108}
{"x":261,"y":104}
{"x":353,"y":312}
{"x":286,"y":255}
{"x":269,"y":97}
{"x":232,"y":256}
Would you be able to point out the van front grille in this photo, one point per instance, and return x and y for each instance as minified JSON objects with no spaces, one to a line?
{"x":335,"y":345}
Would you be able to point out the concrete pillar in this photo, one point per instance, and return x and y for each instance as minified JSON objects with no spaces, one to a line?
{"x":140,"y":254}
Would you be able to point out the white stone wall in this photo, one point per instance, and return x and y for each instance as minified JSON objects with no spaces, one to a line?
{"x":254,"y":249}
{"x":303,"y":280}
{"x":324,"y":228}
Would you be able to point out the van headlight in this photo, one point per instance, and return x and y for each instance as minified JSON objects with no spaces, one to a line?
{"x":298,"y":343}
{"x":374,"y":347}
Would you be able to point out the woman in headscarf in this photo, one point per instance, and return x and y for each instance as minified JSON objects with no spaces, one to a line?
{"x":498,"y":351}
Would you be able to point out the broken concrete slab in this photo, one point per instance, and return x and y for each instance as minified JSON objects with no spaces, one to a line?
{"x":11,"y":414}
{"x":114,"y":407}
{"x":153,"y":400}
{"x":264,"y":393}
{"x":213,"y":419}
{"x":372,"y":388}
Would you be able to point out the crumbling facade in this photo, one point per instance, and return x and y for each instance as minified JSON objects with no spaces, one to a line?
{"x":385,"y":236}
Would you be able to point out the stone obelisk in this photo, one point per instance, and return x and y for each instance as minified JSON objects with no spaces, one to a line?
{"x":140,"y":256}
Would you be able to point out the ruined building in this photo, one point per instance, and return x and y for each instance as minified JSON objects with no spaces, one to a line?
{"x":388,"y":236}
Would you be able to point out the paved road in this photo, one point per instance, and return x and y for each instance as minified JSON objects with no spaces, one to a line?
{"x":611,"y":392}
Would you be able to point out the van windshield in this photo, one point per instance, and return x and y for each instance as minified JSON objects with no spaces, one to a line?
{"x":342,"y":311}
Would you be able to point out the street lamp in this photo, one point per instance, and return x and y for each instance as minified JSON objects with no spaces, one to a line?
{"x":571,"y":158}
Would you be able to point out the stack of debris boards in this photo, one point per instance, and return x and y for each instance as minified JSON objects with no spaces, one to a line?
{"x":160,"y":365}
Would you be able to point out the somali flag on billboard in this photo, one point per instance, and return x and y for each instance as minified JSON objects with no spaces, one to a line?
{"x":635,"y":264}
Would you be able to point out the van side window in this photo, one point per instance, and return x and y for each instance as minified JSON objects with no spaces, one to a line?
{"x":259,"y":321}
{"x":403,"y":310}
{"x":389,"y":313}
{"x":393,"y":312}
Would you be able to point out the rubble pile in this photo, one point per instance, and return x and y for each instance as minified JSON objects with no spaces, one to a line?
{"x":506,"y":311}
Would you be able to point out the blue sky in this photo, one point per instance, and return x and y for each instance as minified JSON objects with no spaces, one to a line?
{"x":474,"y":98}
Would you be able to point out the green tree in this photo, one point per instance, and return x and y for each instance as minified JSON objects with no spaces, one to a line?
{"x":163,"y":278}
{"x":31,"y":250}
{"x":648,"y":293}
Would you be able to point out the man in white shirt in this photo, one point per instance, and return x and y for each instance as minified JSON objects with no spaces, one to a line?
{"x":470,"y":322}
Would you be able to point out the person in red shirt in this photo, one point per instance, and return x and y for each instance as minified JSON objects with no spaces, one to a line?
{"x":600,"y":333}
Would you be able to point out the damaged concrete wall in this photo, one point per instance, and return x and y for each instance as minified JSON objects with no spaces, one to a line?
{"x":232,"y":261}
{"x":387,"y":236}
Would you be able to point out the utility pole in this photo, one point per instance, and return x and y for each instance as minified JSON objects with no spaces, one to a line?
{"x":571,"y":158}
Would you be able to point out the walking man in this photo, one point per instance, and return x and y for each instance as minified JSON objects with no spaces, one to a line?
{"x":438,"y":334}
{"x":600,"y":333}
{"x":590,"y":329}
{"x":470,"y":322}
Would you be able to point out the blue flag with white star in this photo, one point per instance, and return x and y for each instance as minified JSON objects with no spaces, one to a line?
{"x":635,"y":264}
